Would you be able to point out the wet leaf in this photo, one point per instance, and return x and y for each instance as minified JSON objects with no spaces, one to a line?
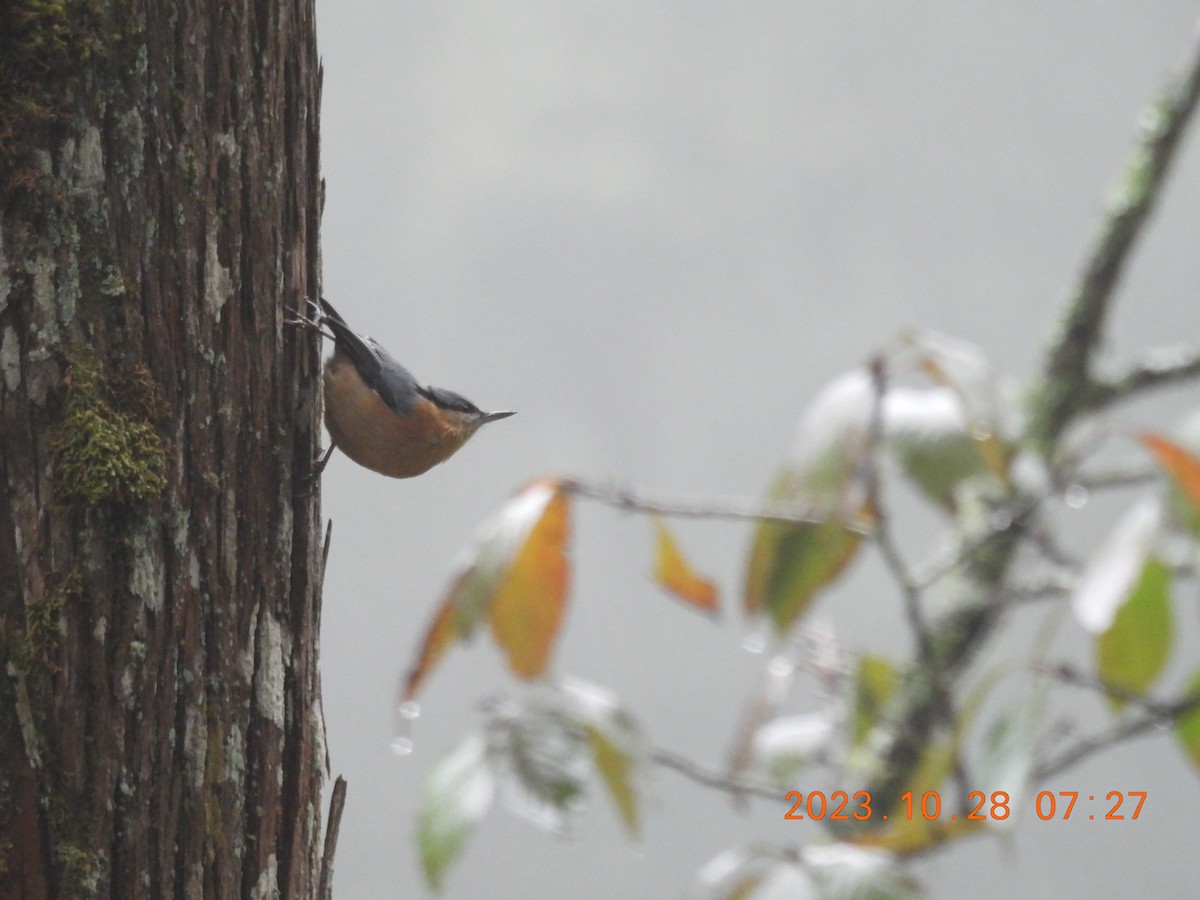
{"x":843,"y":871}
{"x":618,"y":750}
{"x":529,"y":602}
{"x":671,"y":570}
{"x":515,"y":575}
{"x":790,"y":563}
{"x":1187,"y":726}
{"x":457,"y":795}
{"x":786,"y":745}
{"x":927,"y":433}
{"x":1177,"y":462}
{"x":442,"y":632}
{"x":738,"y":873}
{"x":1112,"y":570}
{"x":1134,"y":650}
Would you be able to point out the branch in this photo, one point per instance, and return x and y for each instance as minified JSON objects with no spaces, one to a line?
{"x":1122,"y":731}
{"x":737,"y":787}
{"x":882,"y":533}
{"x":629,"y":501}
{"x":1164,"y":367}
{"x":1067,"y":383}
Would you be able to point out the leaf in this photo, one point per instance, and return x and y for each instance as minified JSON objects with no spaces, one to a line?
{"x":927,"y":433}
{"x":616,"y":768}
{"x":962,"y":367}
{"x":843,"y":871}
{"x":873,"y":686}
{"x":528,"y":607}
{"x":515,"y":574}
{"x":1134,"y":650}
{"x":1187,"y":726}
{"x":1110,"y":573}
{"x":441,"y":633}
{"x":789,"y":564}
{"x":672,"y":571}
{"x":1177,"y":462}
{"x":786,"y":745}
{"x":456,"y":796}
{"x":543,"y":763}
{"x":615,"y":738}
{"x":738,"y":873}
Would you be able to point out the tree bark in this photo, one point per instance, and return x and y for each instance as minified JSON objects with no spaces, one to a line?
{"x":160,"y":729}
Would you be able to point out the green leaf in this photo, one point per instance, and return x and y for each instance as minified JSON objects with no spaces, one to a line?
{"x":1187,"y":726}
{"x":790,"y":563}
{"x":457,"y":795}
{"x":873,"y":685}
{"x":1133,"y":651}
{"x":616,"y":767}
{"x":615,"y":739}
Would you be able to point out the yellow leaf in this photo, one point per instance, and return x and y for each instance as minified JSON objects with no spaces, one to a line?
{"x":515,"y":575}
{"x":528,"y":604}
{"x":1177,"y":462}
{"x":672,"y":571}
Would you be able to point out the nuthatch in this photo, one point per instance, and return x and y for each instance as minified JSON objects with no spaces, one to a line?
{"x":377,"y":413}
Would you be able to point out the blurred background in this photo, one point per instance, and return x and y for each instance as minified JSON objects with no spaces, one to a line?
{"x":656,"y":230}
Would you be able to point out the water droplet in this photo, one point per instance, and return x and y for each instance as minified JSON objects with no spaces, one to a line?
{"x":1076,"y":496}
{"x":402,"y":746}
{"x":755,"y":642}
{"x":1000,"y":519}
{"x":409,"y":710}
{"x":780,"y":667}
{"x":982,"y":431}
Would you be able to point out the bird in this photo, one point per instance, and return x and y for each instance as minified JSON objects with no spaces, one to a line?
{"x":377,"y":413}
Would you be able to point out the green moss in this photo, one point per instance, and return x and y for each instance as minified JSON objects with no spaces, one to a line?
{"x":105,"y":447}
{"x":44,"y":625}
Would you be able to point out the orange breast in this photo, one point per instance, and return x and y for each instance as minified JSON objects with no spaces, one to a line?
{"x":370,"y":433}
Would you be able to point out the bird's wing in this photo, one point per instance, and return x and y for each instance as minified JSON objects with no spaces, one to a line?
{"x":382,"y":373}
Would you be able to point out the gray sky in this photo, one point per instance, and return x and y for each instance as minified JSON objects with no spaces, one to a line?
{"x":656,"y":230}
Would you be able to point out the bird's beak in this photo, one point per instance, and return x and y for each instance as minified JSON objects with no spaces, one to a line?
{"x":496,"y":416}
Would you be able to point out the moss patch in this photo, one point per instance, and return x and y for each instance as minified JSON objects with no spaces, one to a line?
{"x":45,"y":47}
{"x":106,"y":448}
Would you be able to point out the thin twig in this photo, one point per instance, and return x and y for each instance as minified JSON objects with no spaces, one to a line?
{"x":737,"y":787}
{"x":1125,"y":476}
{"x":1164,"y":367}
{"x":1118,"y":733}
{"x":337,"y":802}
{"x":1072,"y":676}
{"x":629,"y":501}
{"x":882,"y":533}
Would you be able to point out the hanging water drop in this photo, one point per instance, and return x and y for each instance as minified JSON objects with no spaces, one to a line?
{"x":755,"y":642}
{"x":1076,"y":496}
{"x":408,"y":710}
{"x":402,"y":746}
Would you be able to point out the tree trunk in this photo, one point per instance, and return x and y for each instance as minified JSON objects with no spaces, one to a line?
{"x":160,"y":728}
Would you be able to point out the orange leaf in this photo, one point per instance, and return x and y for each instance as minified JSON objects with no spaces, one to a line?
{"x":672,"y":571}
{"x":1177,"y":462}
{"x":528,"y":604}
{"x":441,"y":634}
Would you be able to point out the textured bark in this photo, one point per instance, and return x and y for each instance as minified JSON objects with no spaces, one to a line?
{"x":160,"y":732}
